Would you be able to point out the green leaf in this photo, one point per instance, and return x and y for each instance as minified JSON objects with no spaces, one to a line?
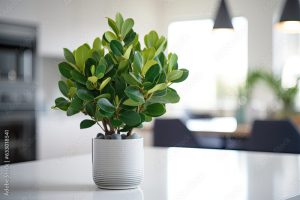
{"x":131,"y":37}
{"x":90,"y":108}
{"x":64,"y":89}
{"x":70,"y":83}
{"x":157,"y":87}
{"x":89,"y":85}
{"x":81,"y":55}
{"x":97,"y":44}
{"x":69,"y":56}
{"x":184,"y":76}
{"x":110,"y":90}
{"x":119,"y":21}
{"x":162,"y":47}
{"x":87,"y":123}
{"x":71,"y":111}
{"x":72,"y":92}
{"x":106,"y":114}
{"x":98,"y":115}
{"x":100,"y":70}
{"x":162,"y":61}
{"x":160,"y":92}
{"x":62,"y":103}
{"x":131,"y":79}
{"x":104,"y":83}
{"x":130,"y":118}
{"x":116,"y":47}
{"x":87,"y":70}
{"x":105,"y":105}
{"x":93,"y":69}
{"x":113,"y":25}
{"x":109,"y":36}
{"x":134,"y":93}
{"x":119,"y":85}
{"x":170,"y":97}
{"x":76,"y":103}
{"x":130,"y":102}
{"x":147,"y":118}
{"x":117,"y":100}
{"x":148,"y":85}
{"x":123,"y":65}
{"x":106,"y":95}
{"x":150,"y":39}
{"x":96,"y":55}
{"x":126,"y":27}
{"x":78,"y":77}
{"x":174,"y":75}
{"x":116,"y":123}
{"x":137,"y":62}
{"x":153,"y":73}
{"x":127,"y":52}
{"x":172,"y":62}
{"x":85,"y":95}
{"x":147,"y":66}
{"x":155,"y":110}
{"x":148,"y":54}
{"x":89,"y":63}
{"x":93,"y":79}
{"x":162,"y":77}
{"x":65,"y":69}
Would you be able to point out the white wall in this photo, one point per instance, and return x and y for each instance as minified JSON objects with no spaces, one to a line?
{"x":259,"y":14}
{"x":68,"y":23}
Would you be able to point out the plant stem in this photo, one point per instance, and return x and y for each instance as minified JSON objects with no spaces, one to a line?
{"x":105,"y":127}
{"x":111,"y":127}
{"x":100,"y":126}
{"x":129,"y":132}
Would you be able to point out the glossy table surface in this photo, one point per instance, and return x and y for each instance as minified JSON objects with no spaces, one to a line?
{"x":170,"y":174}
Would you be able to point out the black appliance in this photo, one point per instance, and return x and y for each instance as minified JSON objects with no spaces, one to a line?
{"x":17,"y":92}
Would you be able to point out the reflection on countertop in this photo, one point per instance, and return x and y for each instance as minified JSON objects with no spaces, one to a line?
{"x":170,"y":174}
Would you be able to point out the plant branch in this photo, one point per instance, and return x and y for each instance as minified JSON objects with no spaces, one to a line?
{"x":100,"y":126}
{"x":105,"y":127}
{"x":111,"y":126}
{"x":129,"y":132}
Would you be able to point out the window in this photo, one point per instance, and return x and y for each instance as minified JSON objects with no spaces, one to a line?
{"x":217,"y":62}
{"x":286,"y":59}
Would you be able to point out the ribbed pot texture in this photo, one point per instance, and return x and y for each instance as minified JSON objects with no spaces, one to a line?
{"x":118,"y":164}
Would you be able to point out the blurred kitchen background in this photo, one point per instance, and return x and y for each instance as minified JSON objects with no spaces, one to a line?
{"x":229,"y":87}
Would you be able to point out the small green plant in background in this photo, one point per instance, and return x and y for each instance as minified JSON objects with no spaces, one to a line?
{"x":287,"y":96}
{"x":117,"y":84}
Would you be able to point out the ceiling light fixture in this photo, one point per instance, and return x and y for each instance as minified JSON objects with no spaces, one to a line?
{"x":223,"y":19}
{"x":289,"y":21}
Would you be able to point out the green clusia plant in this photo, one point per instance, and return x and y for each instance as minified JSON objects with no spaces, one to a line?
{"x":286,"y":95}
{"x":116,"y":83}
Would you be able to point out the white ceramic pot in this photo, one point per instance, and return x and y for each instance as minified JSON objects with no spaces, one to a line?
{"x":118,"y":164}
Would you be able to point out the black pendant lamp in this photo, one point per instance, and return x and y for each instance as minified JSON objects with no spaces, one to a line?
{"x":290,"y":17}
{"x":223,"y":19}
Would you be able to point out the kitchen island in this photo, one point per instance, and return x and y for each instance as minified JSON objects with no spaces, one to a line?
{"x":170,"y":174}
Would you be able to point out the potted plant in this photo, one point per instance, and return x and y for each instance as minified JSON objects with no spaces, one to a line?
{"x":286,"y":96}
{"x":119,"y":85}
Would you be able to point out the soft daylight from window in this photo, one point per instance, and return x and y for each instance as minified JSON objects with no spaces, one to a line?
{"x":217,"y":62}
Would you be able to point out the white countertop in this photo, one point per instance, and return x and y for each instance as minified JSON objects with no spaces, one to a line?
{"x":170,"y":174}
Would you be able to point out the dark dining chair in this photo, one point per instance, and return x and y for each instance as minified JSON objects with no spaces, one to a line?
{"x":274,"y":136}
{"x":174,"y":133}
